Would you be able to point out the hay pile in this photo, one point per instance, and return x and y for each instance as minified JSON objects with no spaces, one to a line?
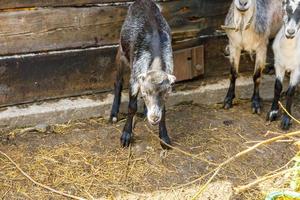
{"x":83,"y":158}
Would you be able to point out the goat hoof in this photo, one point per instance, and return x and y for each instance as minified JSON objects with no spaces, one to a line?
{"x":228,"y":104}
{"x":166,"y":144}
{"x":125,"y":139}
{"x":272,"y":115}
{"x":113,"y":118}
{"x":256,"y":107}
{"x":286,"y":122}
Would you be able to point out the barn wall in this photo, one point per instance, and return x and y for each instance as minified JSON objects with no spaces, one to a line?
{"x":55,"y":48}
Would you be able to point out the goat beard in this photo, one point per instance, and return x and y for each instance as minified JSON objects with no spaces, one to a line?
{"x":241,"y":21}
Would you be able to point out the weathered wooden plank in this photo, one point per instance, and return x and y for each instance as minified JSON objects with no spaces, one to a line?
{"x":191,"y":18}
{"x":9,"y":4}
{"x":188,"y":63}
{"x":66,"y":73}
{"x":66,"y":28}
{"x":184,"y":60}
{"x":63,"y":74}
{"x":70,"y":73}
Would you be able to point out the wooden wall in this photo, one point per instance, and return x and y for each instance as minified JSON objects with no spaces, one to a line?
{"x":55,"y":48}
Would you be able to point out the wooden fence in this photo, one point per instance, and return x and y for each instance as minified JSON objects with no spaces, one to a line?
{"x":58,"y":48}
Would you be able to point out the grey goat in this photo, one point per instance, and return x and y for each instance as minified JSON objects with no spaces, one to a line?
{"x":145,"y":46}
{"x":249,"y":25}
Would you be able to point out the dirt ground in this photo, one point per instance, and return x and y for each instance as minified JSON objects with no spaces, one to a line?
{"x":84,"y":158}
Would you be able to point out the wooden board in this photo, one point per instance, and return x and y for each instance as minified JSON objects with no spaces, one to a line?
{"x":47,"y":76}
{"x":51,"y":29}
{"x":189,"y":63}
{"x":56,"y":29}
{"x":65,"y":65}
{"x":12,"y":4}
{"x":183,"y":59}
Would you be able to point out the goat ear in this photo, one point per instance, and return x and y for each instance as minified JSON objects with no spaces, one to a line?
{"x":141,"y":77}
{"x":171,"y":78}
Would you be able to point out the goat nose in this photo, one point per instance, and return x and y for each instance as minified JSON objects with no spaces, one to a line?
{"x":291,"y":31}
{"x":243,"y":3}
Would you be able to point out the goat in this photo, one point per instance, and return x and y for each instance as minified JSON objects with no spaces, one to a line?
{"x":287,"y":52}
{"x":249,"y":25}
{"x":145,"y":46}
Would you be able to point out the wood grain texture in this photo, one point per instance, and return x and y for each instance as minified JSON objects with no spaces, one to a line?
{"x":55,"y":29}
{"x":11,"y":4}
{"x":58,"y":75}
{"x":69,"y":73}
{"x":65,"y":74}
{"x":50,"y":29}
{"x":188,"y":63}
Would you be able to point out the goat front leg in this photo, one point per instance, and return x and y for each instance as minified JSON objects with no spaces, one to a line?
{"x":127,"y":131}
{"x":163,"y":133}
{"x":274,"y":112}
{"x":235,"y":55}
{"x":259,"y":66}
{"x":118,"y":86}
{"x":286,"y":119}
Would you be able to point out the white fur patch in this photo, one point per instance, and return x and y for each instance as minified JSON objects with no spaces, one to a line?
{"x":273,"y":112}
{"x":135,"y":87}
{"x":156,"y":64}
{"x":294,"y":4}
{"x":295,"y":77}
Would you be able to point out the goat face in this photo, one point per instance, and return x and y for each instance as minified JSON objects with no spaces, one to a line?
{"x":155,"y":86}
{"x":243,"y":5}
{"x":291,"y":17}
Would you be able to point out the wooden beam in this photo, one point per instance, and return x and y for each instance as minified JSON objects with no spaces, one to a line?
{"x":49,"y":29}
{"x":9,"y":4}
{"x":67,"y":73}
{"x":55,"y":29}
{"x":70,"y":73}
